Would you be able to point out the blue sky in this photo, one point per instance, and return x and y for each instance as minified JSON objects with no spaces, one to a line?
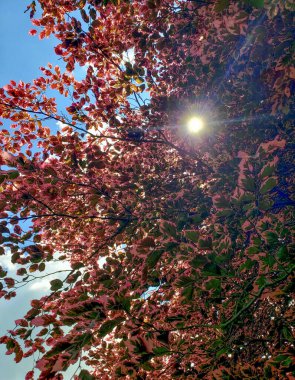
{"x":21,"y":56}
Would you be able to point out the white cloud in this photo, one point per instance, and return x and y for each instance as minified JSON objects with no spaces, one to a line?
{"x":61,"y":125}
{"x":17,"y":307}
{"x":102,"y":261}
{"x":87,"y":64}
{"x":128,"y":56}
{"x":42,"y":285}
{"x":5,"y":262}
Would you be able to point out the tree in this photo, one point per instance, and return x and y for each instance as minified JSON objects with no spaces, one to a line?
{"x":180,"y":245}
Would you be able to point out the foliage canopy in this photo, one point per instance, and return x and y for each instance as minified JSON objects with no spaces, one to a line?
{"x":180,"y":245}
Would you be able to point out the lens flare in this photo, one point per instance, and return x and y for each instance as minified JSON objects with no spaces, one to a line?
{"x":195,"y":124}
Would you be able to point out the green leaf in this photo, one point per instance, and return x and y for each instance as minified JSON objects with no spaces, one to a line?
{"x":287,"y":333}
{"x":249,"y":184}
{"x":265,"y":205}
{"x":124,"y":302}
{"x":222,"y":202}
{"x":225,"y":212}
{"x":60,"y":347}
{"x":184,"y":281}
{"x":268,"y":185}
{"x":214,"y":283}
{"x":85,"y":375}
{"x":170,"y":229}
{"x":147,"y":242}
{"x":211,"y":269}
{"x":221,"y":352}
{"x":146,"y":366}
{"x":192,"y":235}
{"x":268,"y":372}
{"x":92,"y":13}
{"x":10,"y":344}
{"x":257,"y":241}
{"x":41,"y":267}
{"x":269,"y":260}
{"x":253,"y":250}
{"x":84,"y":15}
{"x":56,"y":284}
{"x":2,"y":178}
{"x":13,"y":174}
{"x":247,"y":198}
{"x":287,"y":362}
{"x":153,"y":258}
{"x":205,"y":244}
{"x":68,"y":322}
{"x":178,"y":317}
{"x":77,"y":265}
{"x":280,"y":358}
{"x":83,"y":339}
{"x":199,"y":261}
{"x":188,"y":292}
{"x":267,"y":171}
{"x":163,"y":337}
{"x":197,"y":219}
{"x":171,"y":245}
{"x":261,"y":281}
{"x":221,"y":5}
{"x":283,"y":253}
{"x":247,"y":265}
{"x":271,"y":237}
{"x":108,"y":326}
{"x":160,"y":351}
{"x":3,"y":273}
{"x":138,"y":80}
{"x":142,"y":87}
{"x":256,"y":3}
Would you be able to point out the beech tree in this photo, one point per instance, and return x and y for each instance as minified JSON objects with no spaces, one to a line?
{"x":179,"y":239}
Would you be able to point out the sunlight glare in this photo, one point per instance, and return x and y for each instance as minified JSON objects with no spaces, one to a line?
{"x":195,"y":124}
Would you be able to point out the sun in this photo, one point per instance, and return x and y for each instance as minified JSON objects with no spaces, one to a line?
{"x":195,"y":124}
